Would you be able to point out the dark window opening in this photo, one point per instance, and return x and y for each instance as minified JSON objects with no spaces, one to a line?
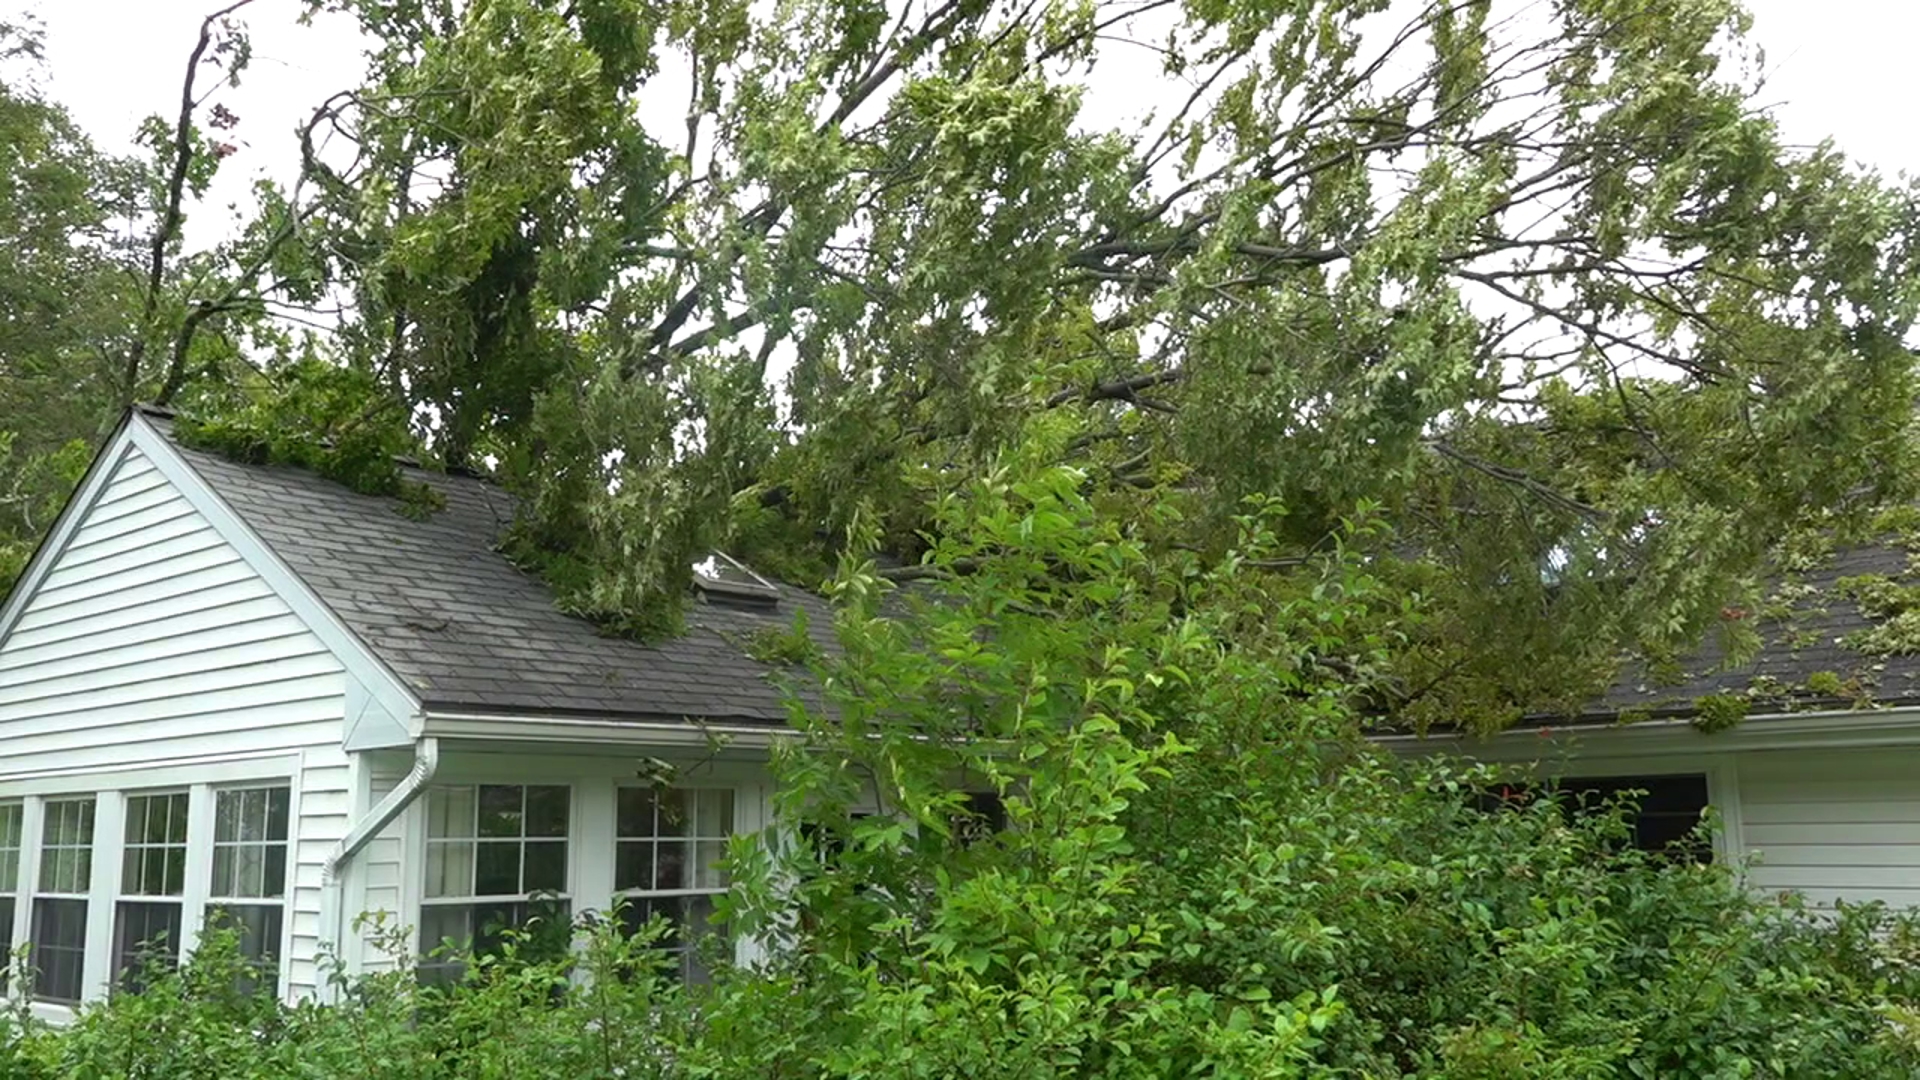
{"x":59,"y":949}
{"x":1666,"y":814}
{"x":145,"y":934}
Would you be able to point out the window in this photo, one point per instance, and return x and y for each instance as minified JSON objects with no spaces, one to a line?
{"x":668,"y":856}
{"x":153,"y":875}
{"x":249,"y":886}
{"x":59,"y":931}
{"x":1669,"y":808}
{"x":10,"y":823}
{"x":496,"y":857}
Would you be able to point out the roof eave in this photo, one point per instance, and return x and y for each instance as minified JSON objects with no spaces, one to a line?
{"x":522,"y":726}
{"x":1830,"y":729}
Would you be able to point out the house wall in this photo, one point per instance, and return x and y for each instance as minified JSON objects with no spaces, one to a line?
{"x":1837,"y":825}
{"x":151,"y":652}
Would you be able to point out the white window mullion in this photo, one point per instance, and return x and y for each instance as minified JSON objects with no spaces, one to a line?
{"x":193,"y":900}
{"x":592,"y":837}
{"x":20,"y":926}
{"x":109,"y":829}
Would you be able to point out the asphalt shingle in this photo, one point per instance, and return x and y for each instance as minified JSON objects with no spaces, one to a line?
{"x":1801,"y":654}
{"x":468,"y":630}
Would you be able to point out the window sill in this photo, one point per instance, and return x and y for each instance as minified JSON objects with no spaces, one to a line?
{"x":53,"y":1013}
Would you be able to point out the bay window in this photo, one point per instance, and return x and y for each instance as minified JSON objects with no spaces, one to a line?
{"x":153,"y":877}
{"x":249,"y":883}
{"x":59,"y":932}
{"x":669,"y":851}
{"x":496,"y":857}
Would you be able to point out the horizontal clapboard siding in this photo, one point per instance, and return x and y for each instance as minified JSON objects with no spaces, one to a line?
{"x":163,"y":646}
{"x":381,"y":873}
{"x":151,"y":639}
{"x":1834,"y":825}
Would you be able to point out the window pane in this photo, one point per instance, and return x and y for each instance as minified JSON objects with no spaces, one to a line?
{"x":708,"y":873}
{"x":500,"y":809}
{"x":635,"y":812}
{"x":276,"y":871}
{"x":671,"y":819}
{"x":546,"y":866}
{"x":450,"y":812}
{"x":670,"y":865}
{"x":715,"y":817}
{"x":450,"y":869}
{"x":633,"y":864}
{"x":144,"y":932}
{"x":690,"y":921}
{"x":59,"y":940}
{"x":226,"y":816}
{"x":478,"y":928}
{"x":497,"y":869}
{"x":259,"y":927}
{"x":9,"y":870}
{"x":226,"y":872}
{"x":277,"y":811}
{"x":10,"y":814}
{"x":547,"y":811}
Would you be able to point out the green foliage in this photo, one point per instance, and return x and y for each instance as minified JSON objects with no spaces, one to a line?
{"x":788,"y":646}
{"x":1826,"y":684}
{"x":1715,"y":713}
{"x":912,"y":228}
{"x":316,"y":416}
{"x":1895,"y":605}
{"x":1206,"y":871}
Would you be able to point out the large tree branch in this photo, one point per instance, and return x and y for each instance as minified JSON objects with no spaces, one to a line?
{"x":172,"y":212}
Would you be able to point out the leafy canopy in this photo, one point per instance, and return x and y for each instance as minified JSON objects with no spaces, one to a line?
{"x":1536,"y":280}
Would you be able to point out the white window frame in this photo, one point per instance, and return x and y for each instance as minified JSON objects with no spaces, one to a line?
{"x":127,"y":846}
{"x":208,"y":824}
{"x":109,"y":790}
{"x":692,"y":839}
{"x":473,"y":899}
{"x":591,"y":828}
{"x":90,"y":894}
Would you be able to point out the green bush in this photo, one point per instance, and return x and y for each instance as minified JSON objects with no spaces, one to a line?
{"x":1206,"y":871}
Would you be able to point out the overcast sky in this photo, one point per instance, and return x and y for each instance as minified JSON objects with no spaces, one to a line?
{"x":1836,"y":68}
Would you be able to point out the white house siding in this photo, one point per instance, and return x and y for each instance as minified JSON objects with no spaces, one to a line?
{"x":151,"y":643}
{"x":377,"y":881}
{"x":1835,"y":825}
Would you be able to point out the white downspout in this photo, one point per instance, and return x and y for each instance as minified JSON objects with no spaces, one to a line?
{"x":333,"y":915}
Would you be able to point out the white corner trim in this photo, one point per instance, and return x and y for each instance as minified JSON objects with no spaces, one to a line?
{"x":381,"y":682}
{"x":1770,"y":731}
{"x":509,"y":727}
{"x":98,"y":476}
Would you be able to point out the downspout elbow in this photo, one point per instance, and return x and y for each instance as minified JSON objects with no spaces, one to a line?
{"x":426,"y":762}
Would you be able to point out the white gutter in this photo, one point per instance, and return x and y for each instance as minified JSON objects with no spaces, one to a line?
{"x":655,"y":733}
{"x":333,"y":916}
{"x":1677,"y":735}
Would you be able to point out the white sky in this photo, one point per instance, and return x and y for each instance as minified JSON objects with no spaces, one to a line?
{"x":1839,"y":68}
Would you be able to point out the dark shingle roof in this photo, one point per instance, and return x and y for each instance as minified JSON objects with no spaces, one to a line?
{"x":1802,"y":647}
{"x":466,"y":629}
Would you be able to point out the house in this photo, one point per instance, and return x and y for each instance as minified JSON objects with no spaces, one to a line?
{"x":249,"y":690}
{"x":1810,"y":753}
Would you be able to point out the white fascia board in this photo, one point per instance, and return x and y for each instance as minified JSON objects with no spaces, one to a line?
{"x":1677,"y":736}
{"x":98,"y":475}
{"x":669,"y":734}
{"x":384,"y":688}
